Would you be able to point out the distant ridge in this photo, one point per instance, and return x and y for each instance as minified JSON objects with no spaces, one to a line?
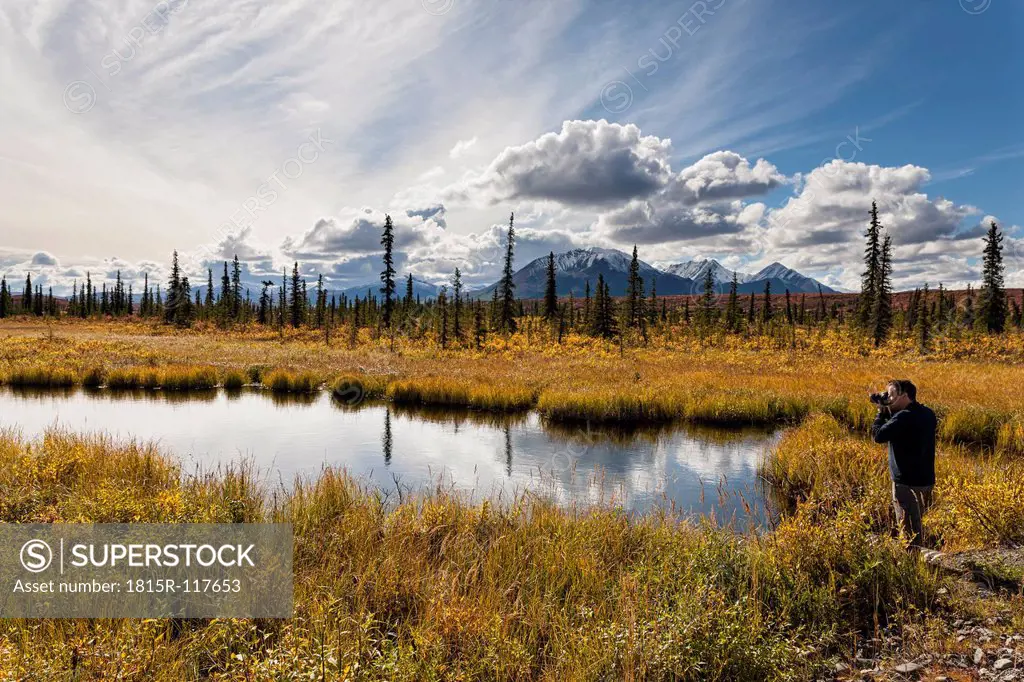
{"x":574,"y":268}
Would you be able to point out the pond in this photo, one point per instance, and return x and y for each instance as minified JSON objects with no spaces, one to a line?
{"x":700,"y":471}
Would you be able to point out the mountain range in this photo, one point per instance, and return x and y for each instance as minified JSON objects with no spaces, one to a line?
{"x":573,"y":269}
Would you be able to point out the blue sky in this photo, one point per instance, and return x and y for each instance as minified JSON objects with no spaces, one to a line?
{"x":746,"y":130}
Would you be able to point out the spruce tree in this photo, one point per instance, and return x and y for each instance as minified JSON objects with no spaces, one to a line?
{"x":766,"y":310}
{"x":923,"y":322}
{"x":506,"y":320}
{"x":236,"y":289}
{"x":872,"y":270}
{"x":992,"y":306}
{"x":442,"y":306}
{"x":732,"y":309}
{"x":3,"y":298}
{"x":183,"y":311}
{"x":940,"y":316}
{"x":297,"y":304}
{"x":173,"y":290}
{"x":550,"y":290}
{"x":208,"y":303}
{"x":457,"y":305}
{"x":707,"y":299}
{"x":634,"y":292}
{"x":26,"y":295}
{"x":408,"y":290}
{"x":881,"y":316}
{"x":387,"y":276}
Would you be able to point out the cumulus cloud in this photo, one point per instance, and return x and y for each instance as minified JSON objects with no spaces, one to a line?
{"x":359,"y":232}
{"x":832,"y":206}
{"x":44,"y":258}
{"x":822,"y":225}
{"x":585,"y":163}
{"x":723,"y":176}
{"x":703,"y":201}
{"x":655,"y":222}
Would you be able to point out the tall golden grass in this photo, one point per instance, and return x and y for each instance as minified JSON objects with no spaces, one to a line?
{"x":435,"y":587}
{"x":978,"y":501}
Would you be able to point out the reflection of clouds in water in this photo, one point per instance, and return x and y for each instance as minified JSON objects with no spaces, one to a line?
{"x":468,"y":452}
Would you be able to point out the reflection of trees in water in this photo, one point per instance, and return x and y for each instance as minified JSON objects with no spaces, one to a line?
{"x":386,"y":440}
{"x":40,"y":394}
{"x":508,"y":450}
{"x":154,"y":395}
{"x":289,"y":399}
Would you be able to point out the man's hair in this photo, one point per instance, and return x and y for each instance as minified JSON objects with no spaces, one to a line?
{"x":905,"y":387}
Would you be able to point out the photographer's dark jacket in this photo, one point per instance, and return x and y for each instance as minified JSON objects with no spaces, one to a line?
{"x":910,"y":434}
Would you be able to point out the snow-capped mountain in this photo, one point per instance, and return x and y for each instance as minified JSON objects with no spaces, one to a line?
{"x":780,"y":277}
{"x":783,"y":278}
{"x":573,"y":269}
{"x":697,"y":269}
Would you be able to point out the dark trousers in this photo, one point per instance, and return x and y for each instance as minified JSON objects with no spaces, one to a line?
{"x":910,"y":503}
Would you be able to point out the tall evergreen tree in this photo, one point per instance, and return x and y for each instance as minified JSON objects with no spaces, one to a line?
{"x":923,"y":322}
{"x":881,"y":316}
{"x":387,"y":276}
{"x":442,"y":307}
{"x":634,"y":292}
{"x":282,"y":299}
{"x":869,"y":283}
{"x":4,"y":310}
{"x":457,"y":305}
{"x":236,"y":289}
{"x":766,"y":309}
{"x":297,"y":304}
{"x":604,"y":311}
{"x":225,"y":293}
{"x":408,"y":290}
{"x":145,"y":304}
{"x":173,"y":290}
{"x":732,"y":309}
{"x":940,"y":317}
{"x":992,"y":306}
{"x":26,"y":295}
{"x":550,"y":290}
{"x":208,"y":302}
{"x":707,"y":299}
{"x":506,"y":320}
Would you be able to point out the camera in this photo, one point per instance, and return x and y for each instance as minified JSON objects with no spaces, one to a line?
{"x":881,"y":399}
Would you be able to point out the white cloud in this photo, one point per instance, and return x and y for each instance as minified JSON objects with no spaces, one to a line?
{"x":462,"y":147}
{"x":586,"y":163}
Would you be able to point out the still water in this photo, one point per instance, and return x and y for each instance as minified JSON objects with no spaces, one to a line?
{"x":697,"y":471}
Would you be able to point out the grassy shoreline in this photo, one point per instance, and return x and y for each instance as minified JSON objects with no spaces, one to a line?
{"x":580,"y":380}
{"x":435,"y":587}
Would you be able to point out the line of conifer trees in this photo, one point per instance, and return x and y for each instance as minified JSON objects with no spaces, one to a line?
{"x":457,"y":319}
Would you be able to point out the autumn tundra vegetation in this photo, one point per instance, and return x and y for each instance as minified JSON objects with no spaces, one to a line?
{"x":437,"y":586}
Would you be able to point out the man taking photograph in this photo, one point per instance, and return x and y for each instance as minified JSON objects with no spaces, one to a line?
{"x":909,"y":429}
